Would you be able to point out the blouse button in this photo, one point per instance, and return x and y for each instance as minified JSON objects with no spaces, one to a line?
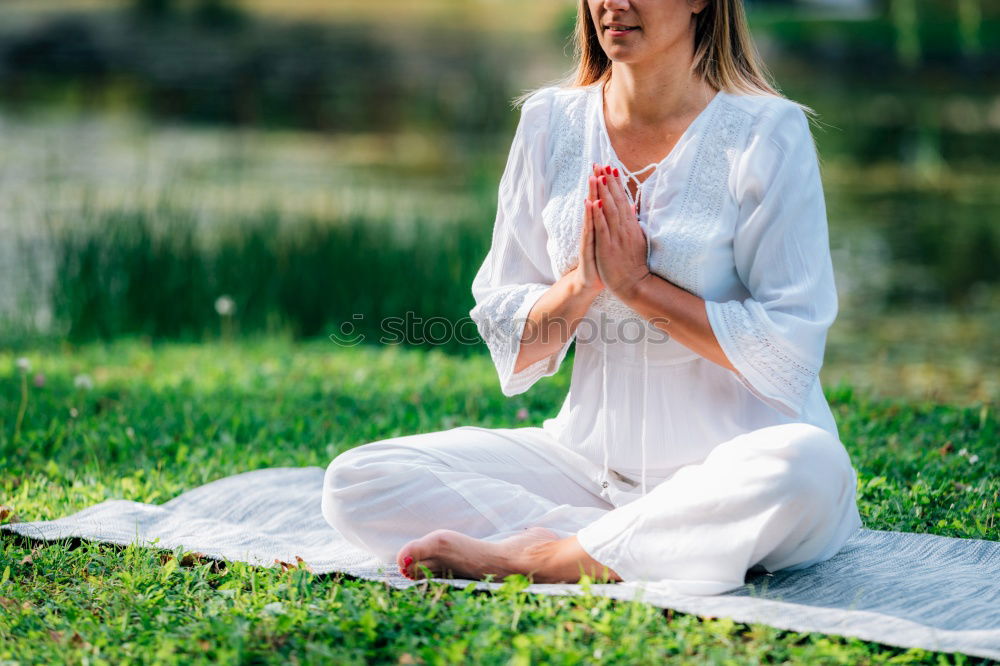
{"x":604,"y":484}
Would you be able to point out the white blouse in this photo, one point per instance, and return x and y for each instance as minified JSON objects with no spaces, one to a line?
{"x":734,"y":214}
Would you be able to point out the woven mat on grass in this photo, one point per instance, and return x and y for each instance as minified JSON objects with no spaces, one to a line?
{"x":897,"y":588}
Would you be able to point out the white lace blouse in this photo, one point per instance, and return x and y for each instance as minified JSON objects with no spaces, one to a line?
{"x":734,"y":214}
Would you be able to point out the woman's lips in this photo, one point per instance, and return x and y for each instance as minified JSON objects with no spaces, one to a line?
{"x":616,"y":32}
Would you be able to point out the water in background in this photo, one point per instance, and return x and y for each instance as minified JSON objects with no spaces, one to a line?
{"x":159,"y":156}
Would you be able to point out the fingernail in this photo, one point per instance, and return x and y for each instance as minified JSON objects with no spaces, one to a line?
{"x":607,"y":169}
{"x":604,"y":180}
{"x":408,"y":561}
{"x":615,"y":171}
{"x":600,"y":204}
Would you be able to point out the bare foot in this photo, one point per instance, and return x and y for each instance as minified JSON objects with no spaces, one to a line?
{"x":537,"y":552}
{"x":449,"y":553}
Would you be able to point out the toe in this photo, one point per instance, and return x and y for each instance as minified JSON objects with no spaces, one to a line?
{"x":405,"y":559}
{"x":429,"y":550}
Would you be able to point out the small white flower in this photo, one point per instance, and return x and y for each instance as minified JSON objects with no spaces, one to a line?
{"x":130,"y":432}
{"x":23,"y":364}
{"x":73,"y":413}
{"x":963,"y":452}
{"x":274,"y":608}
{"x":83,"y":381}
{"x":225,"y":306}
{"x":973,"y":459}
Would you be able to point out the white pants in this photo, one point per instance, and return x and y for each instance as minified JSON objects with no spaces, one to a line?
{"x":781,"y":497}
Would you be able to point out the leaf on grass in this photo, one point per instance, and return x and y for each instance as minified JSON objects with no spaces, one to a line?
{"x":302,"y":563}
{"x":7,"y":514}
{"x":192,"y":559}
{"x":946,"y":449}
{"x":30,"y":557}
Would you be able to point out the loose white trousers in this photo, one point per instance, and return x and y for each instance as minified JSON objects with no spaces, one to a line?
{"x":780,"y":497}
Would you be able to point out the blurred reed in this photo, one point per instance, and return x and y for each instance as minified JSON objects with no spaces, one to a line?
{"x":121,"y":274}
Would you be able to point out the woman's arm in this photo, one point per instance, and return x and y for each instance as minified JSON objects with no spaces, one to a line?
{"x":677,"y":312}
{"x":554,"y":318}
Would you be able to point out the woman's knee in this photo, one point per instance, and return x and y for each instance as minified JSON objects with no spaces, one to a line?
{"x":797,"y":460}
{"x":347,"y":486}
{"x":817,"y":466}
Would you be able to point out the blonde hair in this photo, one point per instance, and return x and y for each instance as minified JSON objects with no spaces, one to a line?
{"x":724,"y":54}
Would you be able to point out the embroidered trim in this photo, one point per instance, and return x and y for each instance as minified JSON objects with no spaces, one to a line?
{"x":788,"y":373}
{"x":563,"y":213}
{"x":494,"y":318}
{"x":680,"y":260}
{"x":614,"y":308}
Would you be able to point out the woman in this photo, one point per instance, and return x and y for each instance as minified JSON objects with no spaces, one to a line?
{"x":695,"y":443}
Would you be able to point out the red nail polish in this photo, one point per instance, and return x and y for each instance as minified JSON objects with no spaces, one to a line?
{"x":607,"y":169}
{"x":600,"y":204}
{"x":615,"y":171}
{"x":604,"y":180}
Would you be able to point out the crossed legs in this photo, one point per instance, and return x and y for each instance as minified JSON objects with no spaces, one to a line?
{"x":472,"y":501}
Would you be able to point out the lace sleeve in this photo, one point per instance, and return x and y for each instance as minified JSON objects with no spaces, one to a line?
{"x":776,"y":338}
{"x":517,"y":269}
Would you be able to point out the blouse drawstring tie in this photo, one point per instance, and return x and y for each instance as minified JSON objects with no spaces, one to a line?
{"x":604,"y":410}
{"x":630,"y":176}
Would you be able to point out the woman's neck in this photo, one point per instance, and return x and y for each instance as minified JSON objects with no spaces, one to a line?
{"x":639,"y":94}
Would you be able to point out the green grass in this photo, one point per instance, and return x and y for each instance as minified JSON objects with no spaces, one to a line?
{"x":163,"y":419}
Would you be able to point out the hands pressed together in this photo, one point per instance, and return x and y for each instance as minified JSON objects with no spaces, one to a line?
{"x":612,"y":255}
{"x":613,"y":247}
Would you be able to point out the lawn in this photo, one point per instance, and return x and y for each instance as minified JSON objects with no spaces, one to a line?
{"x":145,"y":422}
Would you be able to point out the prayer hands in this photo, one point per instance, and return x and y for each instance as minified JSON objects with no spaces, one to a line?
{"x":613,"y":245}
{"x":588,"y":277}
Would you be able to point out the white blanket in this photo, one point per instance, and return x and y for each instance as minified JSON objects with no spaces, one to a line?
{"x":897,"y":588}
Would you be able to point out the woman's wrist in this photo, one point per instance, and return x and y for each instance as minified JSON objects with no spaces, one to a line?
{"x":632,"y":289}
{"x":581,"y":287}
